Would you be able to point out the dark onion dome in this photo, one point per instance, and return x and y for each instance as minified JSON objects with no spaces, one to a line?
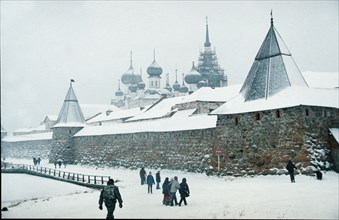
{"x":119,"y":93}
{"x":154,"y":69}
{"x":133,"y":88}
{"x":130,"y":77}
{"x":141,"y":85}
{"x":183,"y":89}
{"x":202,"y":83}
{"x":176,"y":86}
{"x":193,"y":76}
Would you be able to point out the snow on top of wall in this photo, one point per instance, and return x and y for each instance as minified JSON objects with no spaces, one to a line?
{"x":118,"y":114}
{"x":181,"y":120}
{"x":29,"y":137}
{"x":289,"y":97}
{"x":90,"y":110}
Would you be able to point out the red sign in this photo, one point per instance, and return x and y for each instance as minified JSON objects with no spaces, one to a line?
{"x":218,"y":151}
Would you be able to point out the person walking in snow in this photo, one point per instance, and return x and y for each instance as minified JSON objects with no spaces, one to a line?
{"x":110,"y":195}
{"x":166,"y":192}
{"x":55,"y":164}
{"x":158,"y":179}
{"x":59,"y":162}
{"x":142,"y":176}
{"x":173,"y":190}
{"x":150,"y":182}
{"x":290,"y":167}
{"x":65,"y":163}
{"x":184,"y":191}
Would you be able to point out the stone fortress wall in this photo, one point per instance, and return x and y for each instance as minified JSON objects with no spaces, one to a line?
{"x":251,"y":143}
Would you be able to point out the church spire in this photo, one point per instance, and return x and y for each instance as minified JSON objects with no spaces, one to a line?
{"x":207,"y":42}
{"x":131,"y":60}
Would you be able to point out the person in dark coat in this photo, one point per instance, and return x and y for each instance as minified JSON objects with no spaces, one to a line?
{"x":166,"y":192}
{"x":184,"y":191}
{"x":142,"y":176}
{"x":158,"y":179}
{"x":55,"y":164}
{"x":290,"y":167}
{"x":110,"y":195}
{"x":150,"y":182}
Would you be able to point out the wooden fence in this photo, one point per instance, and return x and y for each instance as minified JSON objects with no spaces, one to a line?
{"x":94,"y":181}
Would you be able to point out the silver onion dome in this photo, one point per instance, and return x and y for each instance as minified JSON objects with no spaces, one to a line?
{"x":154,"y":69}
{"x":193,"y":76}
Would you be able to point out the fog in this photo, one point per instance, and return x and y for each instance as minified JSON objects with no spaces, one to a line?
{"x":44,"y":44}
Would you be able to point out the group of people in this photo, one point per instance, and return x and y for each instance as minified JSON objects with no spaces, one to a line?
{"x":169,"y":187}
{"x":110,"y":194}
{"x":59,"y":162}
{"x":36,"y":161}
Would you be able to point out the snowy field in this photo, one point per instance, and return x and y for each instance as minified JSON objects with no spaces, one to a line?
{"x":268,"y":197}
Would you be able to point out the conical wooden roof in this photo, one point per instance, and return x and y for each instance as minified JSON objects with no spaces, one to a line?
{"x":272,"y":70}
{"x":70,"y":114}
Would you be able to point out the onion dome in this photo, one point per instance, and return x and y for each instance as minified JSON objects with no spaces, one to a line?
{"x":193,"y":77}
{"x":130,"y":77}
{"x":202,"y":83}
{"x":183,"y":88}
{"x":133,"y":88}
{"x":154,"y":69}
{"x":141,"y":85}
{"x":176,"y":85}
{"x":119,"y":92}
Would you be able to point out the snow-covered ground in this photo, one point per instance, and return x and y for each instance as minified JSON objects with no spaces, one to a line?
{"x":272,"y":197}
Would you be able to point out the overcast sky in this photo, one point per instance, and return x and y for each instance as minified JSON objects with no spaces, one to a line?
{"x":44,"y":44}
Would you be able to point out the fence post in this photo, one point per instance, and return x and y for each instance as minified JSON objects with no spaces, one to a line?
{"x":102,"y":180}
{"x":63,"y":176}
{"x":77,"y":177}
{"x":54,"y":173}
{"x":73,"y":176}
{"x":89,"y":179}
{"x":83,"y":178}
{"x":68,"y":175}
{"x":95,"y":180}
{"x":59,"y":173}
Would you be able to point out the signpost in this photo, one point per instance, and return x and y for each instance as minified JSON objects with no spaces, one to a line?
{"x":218,"y":152}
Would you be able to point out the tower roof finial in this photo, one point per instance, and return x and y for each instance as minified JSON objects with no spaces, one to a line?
{"x":153,"y":54}
{"x":131,"y":59}
{"x":271,"y":17}
{"x":207,"y":42}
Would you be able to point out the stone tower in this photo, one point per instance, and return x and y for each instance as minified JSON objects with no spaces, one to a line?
{"x":69,"y":122}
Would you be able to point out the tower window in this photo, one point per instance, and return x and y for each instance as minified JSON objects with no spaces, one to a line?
{"x":277,"y":113}
{"x":257,"y":116}
{"x":236,"y":120}
{"x":156,"y":84}
{"x":151,"y":83}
